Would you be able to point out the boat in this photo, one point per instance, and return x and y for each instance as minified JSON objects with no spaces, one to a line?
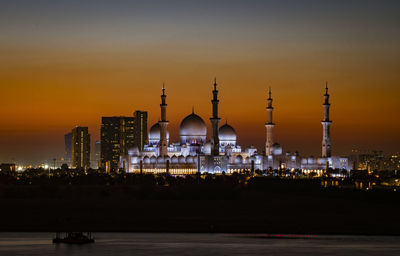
{"x":73,"y":238}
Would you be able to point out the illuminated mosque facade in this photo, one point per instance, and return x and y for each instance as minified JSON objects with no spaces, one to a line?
{"x":221,"y":153}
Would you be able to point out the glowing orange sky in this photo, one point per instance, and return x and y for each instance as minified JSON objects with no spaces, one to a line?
{"x":51,"y":81}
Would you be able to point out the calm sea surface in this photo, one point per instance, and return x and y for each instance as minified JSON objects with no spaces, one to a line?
{"x":198,"y":244}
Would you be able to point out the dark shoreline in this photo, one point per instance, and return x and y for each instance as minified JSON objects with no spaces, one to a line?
{"x":199,"y":216}
{"x":264,"y":206}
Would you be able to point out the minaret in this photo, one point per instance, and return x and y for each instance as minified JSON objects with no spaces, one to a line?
{"x":214,"y":122}
{"x":269,"y":125}
{"x":163,"y":125}
{"x":326,"y":124}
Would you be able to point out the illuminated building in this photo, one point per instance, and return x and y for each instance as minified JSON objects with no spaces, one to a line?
{"x":192,"y":153}
{"x":80,"y":148}
{"x":375,"y":160}
{"x":7,"y":167}
{"x":221,"y":154}
{"x":140,"y":129}
{"x":394,"y":162}
{"x":116,"y":137}
{"x":96,"y":158}
{"x":68,"y":147}
{"x":119,"y":134}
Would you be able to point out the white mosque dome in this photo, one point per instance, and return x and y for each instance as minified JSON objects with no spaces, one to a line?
{"x":154,"y":134}
{"x":227,"y":135}
{"x":193,"y":130}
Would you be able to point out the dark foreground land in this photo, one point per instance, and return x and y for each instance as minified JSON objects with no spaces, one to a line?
{"x":224,"y":205}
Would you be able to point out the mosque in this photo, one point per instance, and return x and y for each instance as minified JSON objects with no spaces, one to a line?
{"x":221,"y":154}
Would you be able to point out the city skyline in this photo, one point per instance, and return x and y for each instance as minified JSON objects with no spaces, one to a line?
{"x":69,"y":64}
{"x":173,"y":129}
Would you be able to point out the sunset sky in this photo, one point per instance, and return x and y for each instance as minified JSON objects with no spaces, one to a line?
{"x":68,"y":63}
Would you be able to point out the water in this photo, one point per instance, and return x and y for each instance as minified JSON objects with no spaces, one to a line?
{"x":116,"y":244}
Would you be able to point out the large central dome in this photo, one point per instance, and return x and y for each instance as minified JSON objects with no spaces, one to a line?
{"x":193,"y":130}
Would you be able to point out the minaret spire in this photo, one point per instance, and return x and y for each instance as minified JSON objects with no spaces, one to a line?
{"x":269,"y":125}
{"x":163,"y":124}
{"x":163,"y":88}
{"x":214,"y":121}
{"x":326,"y":124}
{"x":326,"y":87}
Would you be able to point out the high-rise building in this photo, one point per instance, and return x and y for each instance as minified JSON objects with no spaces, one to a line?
{"x":96,"y":155}
{"x":68,"y":148}
{"x":80,"y":148}
{"x":140,"y":130}
{"x":117,"y":136}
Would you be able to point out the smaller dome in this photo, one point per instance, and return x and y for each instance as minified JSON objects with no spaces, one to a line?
{"x":227,"y":135}
{"x":134,"y":151}
{"x":154,"y":134}
{"x":276,"y":149}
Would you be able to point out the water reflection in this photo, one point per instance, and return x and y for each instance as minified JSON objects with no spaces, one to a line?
{"x":199,"y":244}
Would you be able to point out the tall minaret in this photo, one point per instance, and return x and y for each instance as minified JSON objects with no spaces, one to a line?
{"x":214,"y":122}
{"x":269,"y":125}
{"x":163,"y":125}
{"x":326,"y":124}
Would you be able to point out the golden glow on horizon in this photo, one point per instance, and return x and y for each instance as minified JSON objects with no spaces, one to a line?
{"x":72,"y":72}
{"x":48,"y":99}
